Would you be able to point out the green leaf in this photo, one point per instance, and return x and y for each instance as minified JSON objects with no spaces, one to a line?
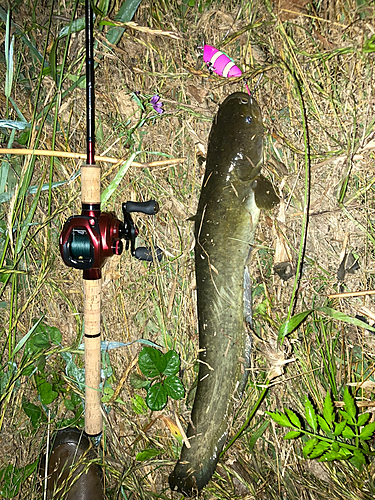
{"x":279,"y":418}
{"x":350,"y":406}
{"x":139,"y":405}
{"x":40,"y":341}
{"x":174,"y":387}
{"x":138,"y":381}
{"x":332,"y":455}
{"x":111,"y":188}
{"x":367,"y":431}
{"x":46,"y":393}
{"x":26,"y":337}
{"x":348,"y":433}
{"x":319,"y":449}
{"x":156,"y":397}
{"x":293,"y":418}
{"x":33,"y":412}
{"x":73,"y":27}
{"x":309,"y":446}
{"x":310,"y":414}
{"x":358,"y":459}
{"x":323,"y":425}
{"x":257,"y":434}
{"x":339,"y":428}
{"x":147,"y":454}
{"x":124,"y":15}
{"x":362,"y":419}
{"x":292,"y":435}
{"x":344,"y":317}
{"x":328,"y":411}
{"x":12,"y":478}
{"x":173,"y":363}
{"x":69,"y":405}
{"x":291,"y":324}
{"x":151,"y":362}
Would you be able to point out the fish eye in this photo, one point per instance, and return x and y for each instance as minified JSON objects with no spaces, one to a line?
{"x":249,"y":119}
{"x":243,"y":101}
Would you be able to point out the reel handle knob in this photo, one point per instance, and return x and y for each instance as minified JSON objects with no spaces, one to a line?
{"x":144,"y":253}
{"x":150,"y":207}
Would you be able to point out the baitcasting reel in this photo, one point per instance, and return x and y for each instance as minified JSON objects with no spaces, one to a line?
{"x":88,"y":239}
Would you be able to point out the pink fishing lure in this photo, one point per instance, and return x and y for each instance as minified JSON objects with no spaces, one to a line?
{"x":220,"y":63}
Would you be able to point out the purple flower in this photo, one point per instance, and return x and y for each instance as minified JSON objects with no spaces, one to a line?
{"x":157,"y":104}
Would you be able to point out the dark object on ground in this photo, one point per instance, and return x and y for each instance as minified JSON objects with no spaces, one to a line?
{"x":71,"y":473}
{"x":284,"y":270}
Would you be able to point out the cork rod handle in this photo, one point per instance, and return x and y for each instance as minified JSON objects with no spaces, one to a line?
{"x":93,"y":413}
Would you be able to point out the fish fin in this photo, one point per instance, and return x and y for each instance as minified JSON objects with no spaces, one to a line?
{"x":256,"y":170}
{"x":193,"y":218}
{"x":265,"y":196}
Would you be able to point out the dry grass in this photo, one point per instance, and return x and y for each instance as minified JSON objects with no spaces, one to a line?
{"x":314,"y":71}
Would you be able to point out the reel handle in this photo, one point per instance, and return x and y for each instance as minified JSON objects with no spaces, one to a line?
{"x":150,"y":207}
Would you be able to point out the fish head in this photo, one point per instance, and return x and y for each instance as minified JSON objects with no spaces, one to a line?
{"x":237,"y":137}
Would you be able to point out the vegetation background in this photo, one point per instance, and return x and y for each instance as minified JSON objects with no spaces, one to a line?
{"x":317,"y":99}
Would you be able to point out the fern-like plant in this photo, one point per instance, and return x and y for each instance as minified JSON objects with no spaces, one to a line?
{"x":335,"y":435}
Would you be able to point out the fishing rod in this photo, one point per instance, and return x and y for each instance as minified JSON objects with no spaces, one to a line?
{"x":87,"y":240}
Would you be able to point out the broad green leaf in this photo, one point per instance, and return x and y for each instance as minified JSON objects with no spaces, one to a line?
{"x":292,"y":435}
{"x":46,"y":393}
{"x":73,"y":27}
{"x":33,"y":412}
{"x":151,"y":362}
{"x":124,"y":15}
{"x":310,"y":414}
{"x":279,"y":418}
{"x":138,"y":381}
{"x":344,"y":317}
{"x":319,"y":449}
{"x":51,"y":332}
{"x":293,"y":418}
{"x":291,"y":324}
{"x":358,"y":459}
{"x":174,"y":387}
{"x":348,"y":433}
{"x":323,"y":425}
{"x":350,"y":406}
{"x":335,"y":446}
{"x":139,"y":405}
{"x":40,"y":341}
{"x":367,"y":431}
{"x":328,"y":411}
{"x":69,"y":405}
{"x":362,"y":419}
{"x":147,"y":454}
{"x":173,"y":363}
{"x":345,"y":415}
{"x":156,"y":397}
{"x":309,"y":446}
{"x":339,"y":428}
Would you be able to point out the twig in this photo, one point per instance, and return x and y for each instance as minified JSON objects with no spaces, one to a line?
{"x":82,"y":156}
{"x":351,"y":294}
